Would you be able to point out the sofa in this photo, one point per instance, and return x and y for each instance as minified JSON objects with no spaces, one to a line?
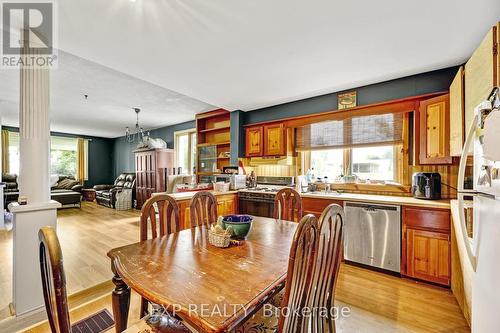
{"x":106,"y":194}
{"x":66,"y":190}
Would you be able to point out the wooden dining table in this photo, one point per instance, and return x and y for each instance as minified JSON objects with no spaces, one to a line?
{"x":211,"y":289}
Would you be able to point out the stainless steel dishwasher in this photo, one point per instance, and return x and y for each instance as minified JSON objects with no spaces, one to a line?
{"x":373,"y":235}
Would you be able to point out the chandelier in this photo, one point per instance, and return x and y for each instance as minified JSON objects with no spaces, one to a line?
{"x":138,"y":131}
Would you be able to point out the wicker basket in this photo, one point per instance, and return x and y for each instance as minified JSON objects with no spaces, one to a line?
{"x":219,"y":239}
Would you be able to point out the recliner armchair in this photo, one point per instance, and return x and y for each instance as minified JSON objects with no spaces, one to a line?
{"x":106,"y":194}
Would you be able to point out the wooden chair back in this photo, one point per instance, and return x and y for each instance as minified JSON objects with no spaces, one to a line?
{"x":168,"y":220}
{"x":300,"y":272}
{"x":53,"y":281}
{"x":312,"y":272}
{"x":288,"y":205}
{"x":203,"y":209}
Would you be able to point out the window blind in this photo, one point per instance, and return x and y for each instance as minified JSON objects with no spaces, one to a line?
{"x":371,"y":130}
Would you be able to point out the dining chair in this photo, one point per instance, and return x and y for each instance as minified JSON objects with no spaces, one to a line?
{"x":203,"y":209}
{"x":313,"y":268}
{"x":168,"y":220}
{"x":325,"y":272}
{"x":288,"y":205}
{"x":159,"y":217}
{"x":53,"y":281}
{"x":55,"y":296}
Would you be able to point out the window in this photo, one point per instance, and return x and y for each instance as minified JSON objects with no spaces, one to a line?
{"x":373,"y":163}
{"x":185,"y":150}
{"x":362,"y":145}
{"x":63,"y":155}
{"x":328,"y":163}
{"x":14,"y":153}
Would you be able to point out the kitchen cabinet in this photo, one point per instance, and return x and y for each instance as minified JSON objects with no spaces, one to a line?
{"x":226,"y":204}
{"x":316,"y":206}
{"x":426,"y":245}
{"x":274,"y":140}
{"x":433,"y":131}
{"x":269,"y":140}
{"x":482,"y":73}
{"x":254,"y":144}
{"x":457,"y":99}
{"x":428,"y":256}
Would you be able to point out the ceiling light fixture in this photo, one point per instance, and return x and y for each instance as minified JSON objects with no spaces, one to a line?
{"x":138,"y":132}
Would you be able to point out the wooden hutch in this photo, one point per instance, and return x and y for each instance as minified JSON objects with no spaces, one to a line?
{"x":152,"y":167}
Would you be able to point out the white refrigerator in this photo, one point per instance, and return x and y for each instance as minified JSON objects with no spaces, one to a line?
{"x":484,"y":248}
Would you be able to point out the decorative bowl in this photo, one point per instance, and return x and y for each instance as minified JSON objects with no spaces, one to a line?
{"x":240,"y":225}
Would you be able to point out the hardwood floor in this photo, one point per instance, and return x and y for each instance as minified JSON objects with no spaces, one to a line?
{"x":378,"y":302}
{"x":86,"y":235}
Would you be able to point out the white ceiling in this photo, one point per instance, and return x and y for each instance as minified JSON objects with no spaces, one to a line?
{"x":111,"y":96}
{"x":240,"y":54}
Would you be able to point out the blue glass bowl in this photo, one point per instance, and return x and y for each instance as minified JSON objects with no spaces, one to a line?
{"x":240,"y":225}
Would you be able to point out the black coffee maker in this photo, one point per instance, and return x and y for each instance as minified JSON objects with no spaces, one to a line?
{"x":426,"y":185}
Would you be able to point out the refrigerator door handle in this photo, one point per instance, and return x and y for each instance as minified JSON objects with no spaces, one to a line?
{"x":461,"y":191}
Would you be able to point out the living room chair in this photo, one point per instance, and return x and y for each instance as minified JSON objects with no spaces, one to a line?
{"x":55,"y":296}
{"x":160,"y":216}
{"x":203,"y":209}
{"x":105,"y":194}
{"x":288,"y":205}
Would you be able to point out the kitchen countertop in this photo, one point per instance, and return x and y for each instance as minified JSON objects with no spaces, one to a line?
{"x":371,"y":198}
{"x":381,"y":199}
{"x":188,"y":195}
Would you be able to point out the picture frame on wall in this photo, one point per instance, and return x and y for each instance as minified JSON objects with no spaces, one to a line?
{"x":347,"y":100}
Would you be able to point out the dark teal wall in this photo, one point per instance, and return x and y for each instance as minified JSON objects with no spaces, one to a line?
{"x":100,"y":157}
{"x":123,"y":160}
{"x":237,"y":136}
{"x":430,"y":82}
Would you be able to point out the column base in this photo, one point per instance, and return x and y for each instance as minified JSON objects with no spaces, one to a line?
{"x":27,"y":220}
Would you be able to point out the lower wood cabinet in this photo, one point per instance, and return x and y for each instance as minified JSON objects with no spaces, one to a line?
{"x":316,"y":206}
{"x":226,"y":204}
{"x":426,"y":245}
{"x":428,"y":256}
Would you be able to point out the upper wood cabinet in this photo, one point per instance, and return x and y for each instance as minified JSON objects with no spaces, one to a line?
{"x":434,"y":131}
{"x":254,"y":144}
{"x":457,"y":129}
{"x":268,"y":140}
{"x":274,"y":140}
{"x":482,"y":73}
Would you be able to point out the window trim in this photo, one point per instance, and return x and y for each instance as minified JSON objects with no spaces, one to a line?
{"x":177,"y":135}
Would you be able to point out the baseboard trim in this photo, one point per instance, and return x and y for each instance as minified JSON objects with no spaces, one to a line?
{"x":38,"y":316}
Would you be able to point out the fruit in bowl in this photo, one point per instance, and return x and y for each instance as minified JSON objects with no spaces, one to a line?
{"x":240,"y":225}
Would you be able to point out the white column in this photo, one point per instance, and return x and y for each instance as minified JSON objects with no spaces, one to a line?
{"x":34,"y":134}
{"x":2,"y":222}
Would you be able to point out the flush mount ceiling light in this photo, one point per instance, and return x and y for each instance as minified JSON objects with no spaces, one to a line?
{"x":138,"y":131}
